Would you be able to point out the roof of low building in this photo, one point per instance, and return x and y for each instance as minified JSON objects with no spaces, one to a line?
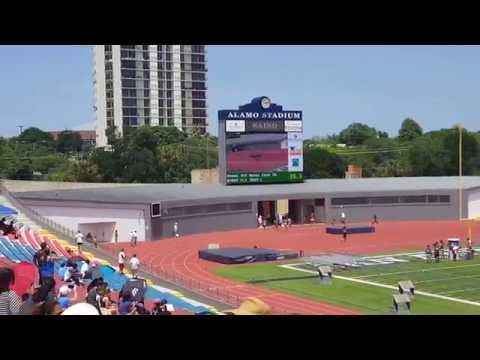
{"x":151,"y":193}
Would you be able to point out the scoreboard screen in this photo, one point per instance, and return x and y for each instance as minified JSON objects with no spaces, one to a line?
{"x":263,"y":147}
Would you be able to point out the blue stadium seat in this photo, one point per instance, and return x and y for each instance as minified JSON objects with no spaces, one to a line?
{"x":7,"y":253}
{"x":21,"y":249}
{"x":13,"y":250}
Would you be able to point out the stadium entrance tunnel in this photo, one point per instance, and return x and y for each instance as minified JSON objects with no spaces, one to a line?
{"x":104,"y":231}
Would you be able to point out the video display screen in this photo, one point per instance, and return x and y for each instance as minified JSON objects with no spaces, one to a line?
{"x":264,"y":158}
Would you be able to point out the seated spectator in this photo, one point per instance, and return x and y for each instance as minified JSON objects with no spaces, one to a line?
{"x":160,"y":307}
{"x":10,"y":302}
{"x":64,"y":299}
{"x":41,"y":300}
{"x":73,"y":275}
{"x":125,"y":306}
{"x":139,"y":309}
{"x":84,"y":267}
{"x":94,"y":295}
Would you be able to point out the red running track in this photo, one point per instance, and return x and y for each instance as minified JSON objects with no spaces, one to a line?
{"x":180,"y":256}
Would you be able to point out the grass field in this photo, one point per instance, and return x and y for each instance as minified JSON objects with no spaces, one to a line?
{"x":457,"y":280}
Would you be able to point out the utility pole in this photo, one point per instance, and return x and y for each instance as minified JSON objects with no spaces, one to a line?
{"x":206,"y":137}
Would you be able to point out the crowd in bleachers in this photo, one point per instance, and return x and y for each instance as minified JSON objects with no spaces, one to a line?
{"x":8,"y":227}
{"x":70,"y":284}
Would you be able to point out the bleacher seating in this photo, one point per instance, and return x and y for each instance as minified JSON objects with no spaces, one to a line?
{"x":14,"y":252}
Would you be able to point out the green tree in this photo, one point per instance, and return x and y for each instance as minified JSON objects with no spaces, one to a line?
{"x":35,"y":135}
{"x":320,"y":163}
{"x":69,"y":142}
{"x":469,"y":151}
{"x":356,"y":134}
{"x":426,"y":157}
{"x":409,"y":130}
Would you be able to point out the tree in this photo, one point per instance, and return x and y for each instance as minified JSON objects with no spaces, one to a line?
{"x":409,"y":130}
{"x":69,"y":142}
{"x":356,"y":134}
{"x":469,"y":151}
{"x":426,"y":157}
{"x":35,"y":135}
{"x":320,"y":163}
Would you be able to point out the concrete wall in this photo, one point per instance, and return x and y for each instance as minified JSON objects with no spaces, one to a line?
{"x":162,"y":228}
{"x":473,"y":204}
{"x":435,"y":211}
{"x":90,"y":218}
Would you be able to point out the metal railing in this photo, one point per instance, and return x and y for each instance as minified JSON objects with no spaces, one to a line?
{"x":36,"y":217}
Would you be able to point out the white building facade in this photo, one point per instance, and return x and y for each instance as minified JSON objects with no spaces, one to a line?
{"x":158,"y":85}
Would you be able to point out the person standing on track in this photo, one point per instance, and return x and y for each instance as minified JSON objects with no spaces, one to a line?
{"x":116,"y":236}
{"x":344,"y":234}
{"x":121,"y":261}
{"x":79,"y":241}
{"x":134,"y":265}
{"x":343,"y":216}
{"x":133,"y":238}
{"x":175,"y":229}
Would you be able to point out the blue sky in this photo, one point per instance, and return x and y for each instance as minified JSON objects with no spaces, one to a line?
{"x":51,"y":86}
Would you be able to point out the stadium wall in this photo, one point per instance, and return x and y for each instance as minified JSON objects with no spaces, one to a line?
{"x":99,"y":220}
{"x":413,"y":211}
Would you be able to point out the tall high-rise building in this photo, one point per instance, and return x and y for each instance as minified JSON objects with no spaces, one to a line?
{"x":158,"y":85}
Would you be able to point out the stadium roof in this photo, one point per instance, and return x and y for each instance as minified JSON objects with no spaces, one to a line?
{"x":188,"y":193}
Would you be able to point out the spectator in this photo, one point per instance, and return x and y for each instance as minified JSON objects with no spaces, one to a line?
{"x":134,"y":265}
{"x":121,"y":260}
{"x":116,"y":236}
{"x":41,"y":300}
{"x":428,"y":253}
{"x":47,"y":264}
{"x":89,"y":237}
{"x":125,"y":306}
{"x":160,"y":307}
{"x":64,"y":299}
{"x":36,"y":258}
{"x":375,"y":219}
{"x":260,"y":221}
{"x":73,"y":275}
{"x":94,"y":295}
{"x":343,"y":217}
{"x":344,"y":233}
{"x":442,"y":250}
{"x":134,"y":237}
{"x":79,"y":241}
{"x":289,"y":222}
{"x":436,"y":254}
{"x":312,"y":217}
{"x":95,"y":242}
{"x":175,"y":229}
{"x":10,"y":302}
{"x":84,"y":267}
{"x":139,"y":309}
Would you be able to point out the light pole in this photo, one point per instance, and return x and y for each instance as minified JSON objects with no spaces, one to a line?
{"x":460,"y":171}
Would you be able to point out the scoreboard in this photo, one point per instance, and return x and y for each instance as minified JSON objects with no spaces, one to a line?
{"x":260,"y":143}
